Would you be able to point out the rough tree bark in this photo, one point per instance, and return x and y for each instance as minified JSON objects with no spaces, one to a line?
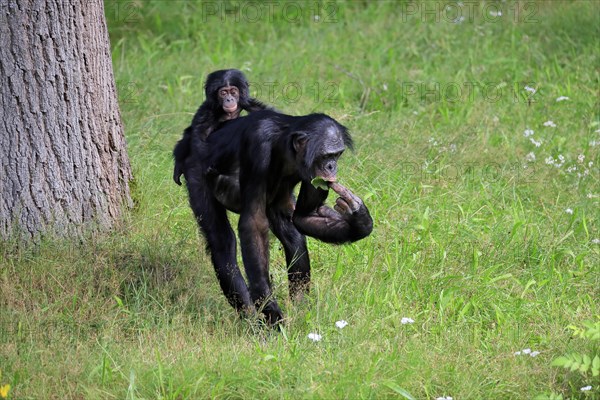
{"x":63,"y":161}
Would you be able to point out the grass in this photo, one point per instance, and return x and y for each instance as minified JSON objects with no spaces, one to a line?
{"x":472,"y":241}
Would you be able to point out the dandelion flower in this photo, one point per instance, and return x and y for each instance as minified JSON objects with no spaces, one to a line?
{"x":341,"y":324}
{"x":562,"y":98}
{"x":586,"y":388}
{"x":406,"y":320}
{"x":315,"y":337}
{"x":550,"y":123}
{"x":569,"y":211}
{"x":6,"y":388}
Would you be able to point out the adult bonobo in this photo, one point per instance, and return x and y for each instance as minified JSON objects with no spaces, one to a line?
{"x":227,"y":94}
{"x":251,"y":165}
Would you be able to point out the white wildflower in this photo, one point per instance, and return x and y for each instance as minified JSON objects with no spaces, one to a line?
{"x":341,"y":324}
{"x":597,"y":131}
{"x":569,"y":211}
{"x":527,"y":351}
{"x":530,"y":157}
{"x":536,"y":143}
{"x":444,"y":398}
{"x":596,"y":241}
{"x":315,"y":337}
{"x":496,"y":13}
{"x":550,"y":123}
{"x":528,"y":132}
{"x":406,"y":320}
{"x":562,"y":98}
{"x":572,"y":168}
{"x":586,"y":388}
{"x":530,"y":89}
{"x":557,"y":163}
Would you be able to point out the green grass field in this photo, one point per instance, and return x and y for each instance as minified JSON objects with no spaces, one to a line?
{"x":485,"y":197}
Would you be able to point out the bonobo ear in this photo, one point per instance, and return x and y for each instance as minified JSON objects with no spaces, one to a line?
{"x":299,"y":140}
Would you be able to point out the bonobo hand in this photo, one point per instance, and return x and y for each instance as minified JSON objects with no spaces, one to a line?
{"x":348,"y":202}
{"x":350,"y":211}
{"x":177,"y":172}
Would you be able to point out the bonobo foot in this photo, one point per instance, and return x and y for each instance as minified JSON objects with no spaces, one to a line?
{"x":273,"y":314}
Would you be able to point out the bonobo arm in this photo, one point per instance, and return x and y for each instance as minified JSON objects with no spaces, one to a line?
{"x":348,"y":221}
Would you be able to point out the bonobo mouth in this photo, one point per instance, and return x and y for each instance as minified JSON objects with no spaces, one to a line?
{"x":230,"y":109}
{"x":323,"y":182}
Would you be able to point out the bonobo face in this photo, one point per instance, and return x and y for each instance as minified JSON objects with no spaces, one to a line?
{"x":331,"y":148}
{"x":229,"y":96}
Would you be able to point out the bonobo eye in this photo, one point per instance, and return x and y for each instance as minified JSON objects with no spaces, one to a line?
{"x":335,"y":156}
{"x":234,"y":91}
{"x":223,"y":93}
{"x":325,"y":158}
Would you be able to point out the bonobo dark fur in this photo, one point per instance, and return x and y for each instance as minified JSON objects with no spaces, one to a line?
{"x":251,"y":165}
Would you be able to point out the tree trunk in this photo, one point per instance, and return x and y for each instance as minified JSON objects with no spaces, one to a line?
{"x":63,"y":160}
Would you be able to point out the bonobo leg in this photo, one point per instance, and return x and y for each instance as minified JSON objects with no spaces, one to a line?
{"x":253,"y":228}
{"x":220,"y":242}
{"x":226,"y":188}
{"x":294,"y":246}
